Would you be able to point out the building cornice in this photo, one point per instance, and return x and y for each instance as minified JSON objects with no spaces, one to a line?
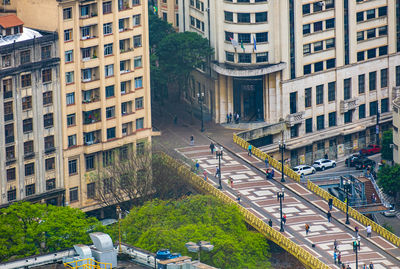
{"x":247,"y":71}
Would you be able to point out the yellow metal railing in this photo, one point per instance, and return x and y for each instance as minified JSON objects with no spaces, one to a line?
{"x":322,"y":193}
{"x":87,"y":264}
{"x":307,"y":259}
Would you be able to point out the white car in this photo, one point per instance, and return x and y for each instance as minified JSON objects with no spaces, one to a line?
{"x":322,"y":164}
{"x":304,"y":170}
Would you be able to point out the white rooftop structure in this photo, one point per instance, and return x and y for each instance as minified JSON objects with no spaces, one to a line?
{"x":27,"y":34}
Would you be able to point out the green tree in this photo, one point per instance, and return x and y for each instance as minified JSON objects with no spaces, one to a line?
{"x":158,"y":29}
{"x":171,"y":224}
{"x":28,"y":229}
{"x":389,"y":179}
{"x":387,"y":141}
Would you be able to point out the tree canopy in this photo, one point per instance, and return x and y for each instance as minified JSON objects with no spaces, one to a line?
{"x":170,"y":224}
{"x":158,"y":29}
{"x":389,"y":179}
{"x":387,"y":150}
{"x":28,"y":229}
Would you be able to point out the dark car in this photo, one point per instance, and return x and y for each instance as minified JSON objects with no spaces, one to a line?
{"x":371,"y":149}
{"x":352,"y":159}
{"x":362,"y":163}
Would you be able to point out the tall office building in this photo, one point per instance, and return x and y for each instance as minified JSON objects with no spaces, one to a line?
{"x":104,"y":81}
{"x":30,"y":122}
{"x":168,"y":10}
{"x":326,"y":68}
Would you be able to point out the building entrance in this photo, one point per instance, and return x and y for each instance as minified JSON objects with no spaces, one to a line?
{"x":248,"y":98}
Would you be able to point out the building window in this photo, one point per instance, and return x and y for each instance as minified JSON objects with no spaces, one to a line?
{"x":307,"y":69}
{"x":46,"y":52}
{"x":73,"y":195}
{"x":319,"y":66}
{"x":46,"y":75}
{"x":69,"y":56}
{"x":108,"y":157}
{"x":10,"y":153}
{"x":317,"y":26}
{"x":109,"y":70}
{"x":307,"y":99}
{"x":71,"y":119}
{"x":67,"y":13}
{"x":262,"y":37}
{"x":382,"y":11}
{"x":6,"y":60}
{"x":11,"y":174}
{"x":107,"y":7}
{"x":373,"y":108}
{"x":306,"y":29}
{"x":48,"y":120}
{"x":332,"y":91}
{"x":109,"y":91}
{"x":261,"y":16}
{"x":360,"y":16}
{"x":361,"y":111}
{"x":25,"y":56}
{"x":73,"y":167}
{"x":309,"y":125}
{"x":347,"y":89}
{"x":137,"y":62}
{"x":50,"y":164}
{"x":49,"y":143}
{"x":26,"y":102}
{"x":306,"y":49}
{"x":306,"y":9}
{"x":320,"y":94}
{"x":68,"y":35}
{"x":70,"y":98}
{"x":294,"y":131}
{"x":318,"y":46}
{"x":332,"y":119}
{"x":262,"y":57}
{"x":108,"y":49}
{"x":137,"y":41}
{"x":382,"y":30}
{"x":320,"y":122}
{"x":371,"y":53}
{"x":8,"y":111}
{"x":107,"y":28}
{"x":69,"y":77}
{"x":385,"y":105}
{"x":11,"y":195}
{"x":243,"y":17}
{"x":139,"y":123}
{"x":228,"y":16}
{"x":372,"y":81}
{"x":230,"y":56}
{"x":383,"y":50}
{"x":348,"y":116}
{"x":330,"y":23}
{"x":72,"y":140}
{"x":228,"y":36}
{"x":398,"y":75}
{"x":139,"y":103}
{"x":244,"y":57}
{"x":29,"y":169}
{"x":89,"y":161}
{"x":384,"y":78}
{"x":360,"y":56}
{"x":27,"y":125}
{"x":331,"y":63}
{"x":330,"y":43}
{"x":244,"y":38}
{"x":50,"y":184}
{"x":361,"y":83}
{"x":136,"y":20}
{"x":110,"y":112}
{"x":371,"y":33}
{"x":30,"y":189}
{"x":293,"y":102}
{"x":370,"y":14}
{"x":90,"y":190}
{"x":360,"y":36}
{"x":28,"y":148}
{"x":138,"y":82}
{"x":47,"y":98}
{"x":111,"y":133}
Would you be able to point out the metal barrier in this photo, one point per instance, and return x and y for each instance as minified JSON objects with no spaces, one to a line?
{"x":307,"y":259}
{"x":321,"y":192}
{"x":87,"y":264}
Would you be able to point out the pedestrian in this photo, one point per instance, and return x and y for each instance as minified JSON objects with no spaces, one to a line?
{"x":205,"y":176}
{"x":369,"y":230}
{"x":217,"y":171}
{"x":339,"y":257}
{"x":373,"y":198}
{"x":308,"y":229}
{"x":302,"y":178}
{"x":212,"y":147}
{"x":284,"y":219}
{"x":192,"y":140}
{"x":197,"y":166}
{"x":271,"y":174}
{"x":356,"y":230}
{"x":365,"y":266}
{"x":268,"y":173}
{"x":270,"y":222}
{"x":330,"y":203}
{"x":329,"y":215}
{"x":237,"y":118}
{"x":238,"y":198}
{"x":176,"y":120}
{"x":326,"y":156}
{"x":231,"y":181}
{"x":266,"y":162}
{"x":249,"y":150}
{"x":371,"y":266}
{"x":348,"y":267}
{"x":335,"y":245}
{"x":334,"y":256}
{"x":230,"y":117}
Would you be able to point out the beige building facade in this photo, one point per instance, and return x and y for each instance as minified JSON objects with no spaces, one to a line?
{"x":396,"y":126}
{"x":168,"y":10}
{"x":104,"y":81}
{"x":327,"y":68}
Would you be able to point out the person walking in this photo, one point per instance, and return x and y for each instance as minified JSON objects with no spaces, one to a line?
{"x":369,"y":230}
{"x":270,"y":222}
{"x":266,"y":162}
{"x":212,"y":147}
{"x":348,"y":266}
{"x":238,"y":198}
{"x":230,"y":117}
{"x":339,"y":257}
{"x":197,"y":166}
{"x":227,"y":117}
{"x":249,"y":150}
{"x":329,"y":216}
{"x":205,"y":176}
{"x":335,"y":245}
{"x":307,"y":228}
{"x":231,"y":181}
{"x":356,"y":230}
{"x":192,"y":140}
{"x":217,"y":171}
{"x":330,"y":203}
{"x":334,"y":256}
{"x":371,"y":266}
{"x":284,"y":219}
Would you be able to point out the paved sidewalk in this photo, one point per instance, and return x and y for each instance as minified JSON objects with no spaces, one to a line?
{"x":259,"y":195}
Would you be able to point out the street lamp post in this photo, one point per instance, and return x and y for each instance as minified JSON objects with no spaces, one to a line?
{"x":197,"y":247}
{"x":282,"y":147}
{"x":356,"y":244}
{"x":200,"y":97}
{"x":347,"y":186}
{"x":119,"y":212}
{"x":219,"y":152}
{"x":281,"y":197}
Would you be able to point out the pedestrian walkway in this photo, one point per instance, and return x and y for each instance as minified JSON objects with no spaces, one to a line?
{"x":259,"y":195}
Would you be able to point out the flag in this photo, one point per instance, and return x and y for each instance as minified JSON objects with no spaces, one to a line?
{"x":234,"y":43}
{"x":255,"y":42}
{"x":241,"y":45}
{"x":155,"y":10}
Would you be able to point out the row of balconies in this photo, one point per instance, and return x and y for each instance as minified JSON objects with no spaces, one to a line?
{"x":94,"y":137}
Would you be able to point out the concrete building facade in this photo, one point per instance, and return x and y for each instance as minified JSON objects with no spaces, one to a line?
{"x":327,"y":68}
{"x":30,"y":125}
{"x":168,"y":10}
{"x":104,"y":81}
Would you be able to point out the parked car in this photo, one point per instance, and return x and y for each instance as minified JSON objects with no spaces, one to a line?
{"x":390,"y":213}
{"x":304,"y":170}
{"x":371,"y":149}
{"x":351,"y":160}
{"x":362,"y":163}
{"x":322,"y":164}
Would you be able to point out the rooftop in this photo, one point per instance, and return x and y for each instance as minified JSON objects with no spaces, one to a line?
{"x":9,"y":21}
{"x":26,"y":35}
